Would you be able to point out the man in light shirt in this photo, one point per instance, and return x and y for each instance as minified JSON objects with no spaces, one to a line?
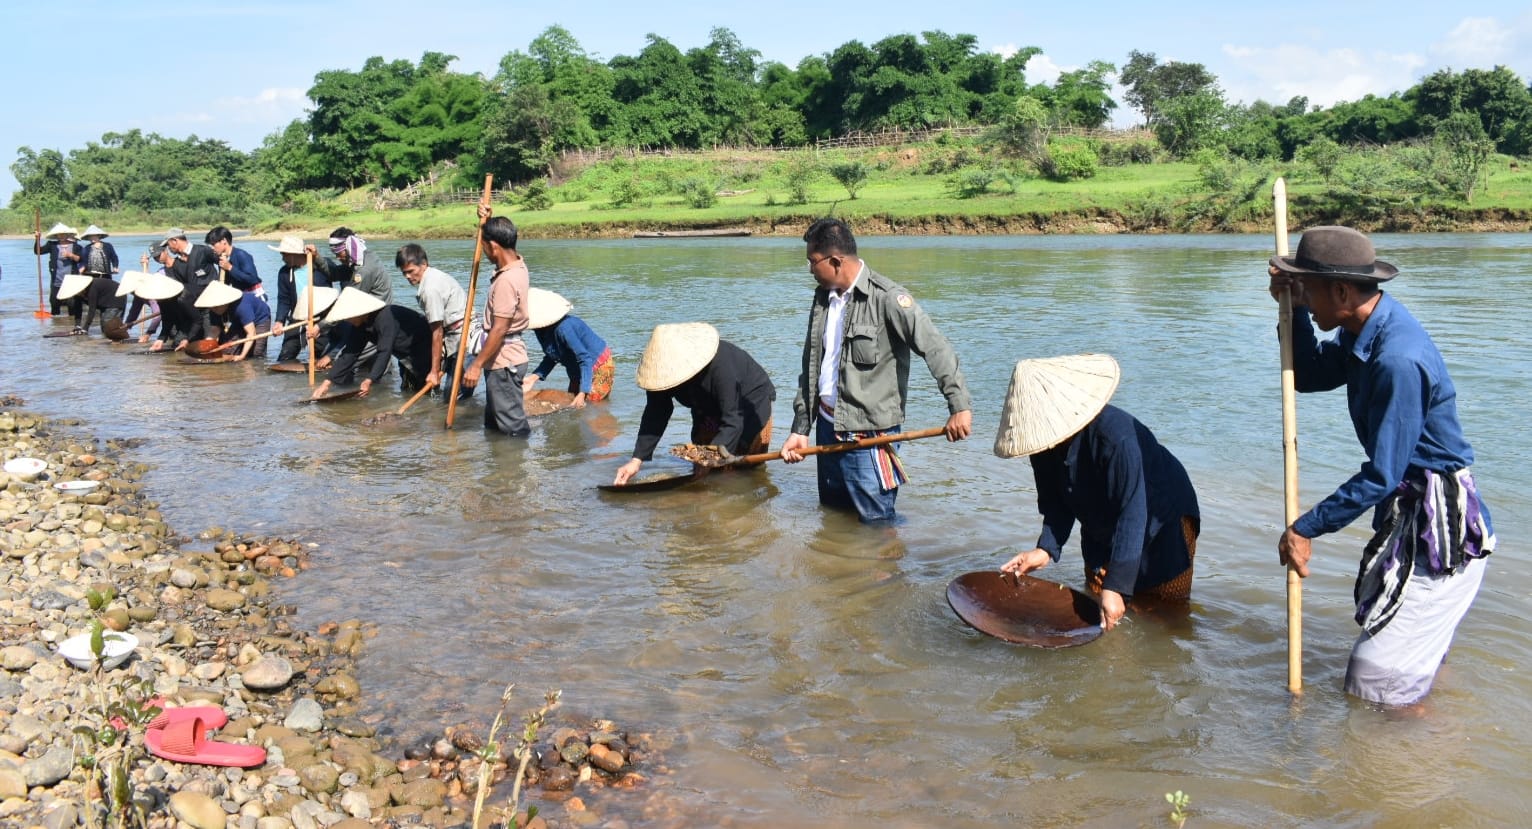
{"x":442,"y":301}
{"x":855,"y":380}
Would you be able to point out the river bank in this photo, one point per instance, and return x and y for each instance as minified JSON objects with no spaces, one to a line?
{"x":211,"y":632}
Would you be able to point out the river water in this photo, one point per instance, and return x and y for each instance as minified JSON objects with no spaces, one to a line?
{"x":808,"y":669}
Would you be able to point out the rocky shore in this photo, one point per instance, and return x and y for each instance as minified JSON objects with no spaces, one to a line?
{"x":210,"y":633}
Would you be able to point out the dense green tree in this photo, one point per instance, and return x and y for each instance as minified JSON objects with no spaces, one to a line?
{"x":1081,"y":98}
{"x":1187,"y":123}
{"x":662,"y":97}
{"x":43,"y":177}
{"x":1151,"y":85}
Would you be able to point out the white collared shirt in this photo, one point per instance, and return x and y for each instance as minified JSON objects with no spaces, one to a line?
{"x":835,"y":334}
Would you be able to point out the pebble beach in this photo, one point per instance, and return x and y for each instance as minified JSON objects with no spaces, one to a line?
{"x":211,"y":632}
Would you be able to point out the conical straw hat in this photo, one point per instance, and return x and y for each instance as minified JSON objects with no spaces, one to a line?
{"x":289,"y":244}
{"x":545,"y":308}
{"x":324,"y":297}
{"x":60,"y":229}
{"x":158,"y":287}
{"x":675,"y":353}
{"x":1051,"y":399}
{"x":351,"y":303}
{"x":94,"y":231}
{"x":73,"y":285}
{"x":217,"y":294}
{"x":130,"y":281}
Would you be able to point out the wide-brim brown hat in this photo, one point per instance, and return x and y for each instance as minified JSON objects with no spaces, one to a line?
{"x":545,"y":308}
{"x":289,"y":244}
{"x":94,"y":231}
{"x":158,"y":287}
{"x":73,"y":285}
{"x":1051,"y":399}
{"x":130,"y":281}
{"x":351,"y":303}
{"x":324,"y":297}
{"x":1337,"y":253}
{"x":217,"y":295}
{"x":60,"y":229}
{"x":675,"y":353}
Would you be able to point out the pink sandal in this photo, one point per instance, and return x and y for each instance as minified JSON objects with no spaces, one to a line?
{"x":185,"y":741}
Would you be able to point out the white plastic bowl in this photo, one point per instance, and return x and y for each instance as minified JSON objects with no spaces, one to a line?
{"x":115,"y":651}
{"x":26,"y":468}
{"x":76,"y":487}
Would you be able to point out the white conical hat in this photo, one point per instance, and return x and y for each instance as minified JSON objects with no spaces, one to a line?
{"x":158,"y":287}
{"x":1051,"y":399}
{"x":129,"y":282}
{"x":324,"y":297}
{"x":289,"y":244}
{"x":675,"y":353}
{"x":218,"y":294}
{"x":94,"y":231}
{"x":545,"y":308}
{"x":73,"y":285}
{"x":352,"y":303}
{"x":60,"y":229}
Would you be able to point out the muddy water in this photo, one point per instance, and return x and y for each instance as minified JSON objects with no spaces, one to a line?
{"x":808,"y":668}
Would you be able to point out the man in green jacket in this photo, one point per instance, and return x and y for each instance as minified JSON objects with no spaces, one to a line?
{"x":856,"y":372}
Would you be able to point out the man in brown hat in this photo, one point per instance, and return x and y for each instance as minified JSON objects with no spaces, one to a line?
{"x":1423,"y":566}
{"x":856,"y":367}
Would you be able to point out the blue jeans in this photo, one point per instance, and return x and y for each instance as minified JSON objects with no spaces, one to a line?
{"x":849,"y":480}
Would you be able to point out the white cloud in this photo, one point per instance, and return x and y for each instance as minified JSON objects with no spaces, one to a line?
{"x":1325,"y":77}
{"x":1477,"y":43}
{"x":272,"y":105}
{"x":1042,"y":69}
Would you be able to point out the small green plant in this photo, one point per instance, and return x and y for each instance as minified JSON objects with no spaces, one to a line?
{"x":971,"y":183}
{"x":535,"y":196}
{"x":801,"y":173}
{"x":626,"y":193}
{"x":851,"y":175}
{"x":1178,"y":801}
{"x":698,"y":193}
{"x":104,"y":746}
{"x":490,"y":755}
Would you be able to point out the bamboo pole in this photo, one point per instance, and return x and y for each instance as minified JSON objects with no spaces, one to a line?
{"x":1289,"y":450}
{"x":37,"y":220}
{"x":310,"y":324}
{"x":468,"y":308}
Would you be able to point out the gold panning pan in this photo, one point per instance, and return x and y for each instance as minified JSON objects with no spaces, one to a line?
{"x":1025,"y":610}
{"x":203,"y":349}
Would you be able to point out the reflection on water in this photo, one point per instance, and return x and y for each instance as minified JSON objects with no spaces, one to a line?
{"x":809,"y":667}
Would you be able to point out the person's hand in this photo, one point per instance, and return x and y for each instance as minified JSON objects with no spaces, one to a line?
{"x":1281,"y":281}
{"x":1024,"y":563}
{"x":1112,"y":609}
{"x":959,"y":426}
{"x":181,"y":345}
{"x":159,"y":345}
{"x":1294,"y":550}
{"x":627,"y":471}
{"x":312,"y":331}
{"x":792,"y":449}
{"x":38,"y":235}
{"x":471,"y":375}
{"x":323,"y":362}
{"x":320,"y":390}
{"x":433,"y":379}
{"x":579,"y":401}
{"x":277,"y":329}
{"x":484,"y":213}
{"x":223,"y":264}
{"x":366,"y":387}
{"x":528,"y":383}
{"x":233,"y":358}
{"x":143,"y":338}
{"x":311,"y":251}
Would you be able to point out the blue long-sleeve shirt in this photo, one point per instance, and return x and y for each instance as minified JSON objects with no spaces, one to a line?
{"x":1403,"y":406}
{"x":1128,"y":494}
{"x":572,"y":344}
{"x":242,"y":272}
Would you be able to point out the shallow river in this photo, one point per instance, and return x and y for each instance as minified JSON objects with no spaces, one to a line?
{"x":809,"y":669}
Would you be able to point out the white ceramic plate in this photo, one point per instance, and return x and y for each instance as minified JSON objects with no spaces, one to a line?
{"x":115,"y":650}
{"x":76,"y":487}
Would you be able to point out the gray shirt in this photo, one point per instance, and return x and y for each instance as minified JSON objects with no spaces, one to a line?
{"x":442,"y":300}
{"x":883,"y":325}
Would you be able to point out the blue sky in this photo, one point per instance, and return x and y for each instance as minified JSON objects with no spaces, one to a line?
{"x":238,"y":70}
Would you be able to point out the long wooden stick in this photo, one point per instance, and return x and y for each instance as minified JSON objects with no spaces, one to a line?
{"x":468,"y":308}
{"x":1289,"y":451}
{"x":230,"y":344}
{"x":37,"y":218}
{"x":419,"y":394}
{"x":314,"y":343}
{"x":843,"y":446}
{"x":142,"y":320}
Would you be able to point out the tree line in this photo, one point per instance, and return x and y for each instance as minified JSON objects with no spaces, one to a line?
{"x":395,"y":122}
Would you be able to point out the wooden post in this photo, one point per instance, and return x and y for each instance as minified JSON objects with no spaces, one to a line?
{"x":314,"y":343}
{"x":468,"y":309}
{"x":1289,"y":451}
{"x":41,"y":313}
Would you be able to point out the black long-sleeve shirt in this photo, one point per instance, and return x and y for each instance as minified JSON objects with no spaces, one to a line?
{"x":100,"y":295}
{"x":733,"y":390}
{"x":399,"y":331}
